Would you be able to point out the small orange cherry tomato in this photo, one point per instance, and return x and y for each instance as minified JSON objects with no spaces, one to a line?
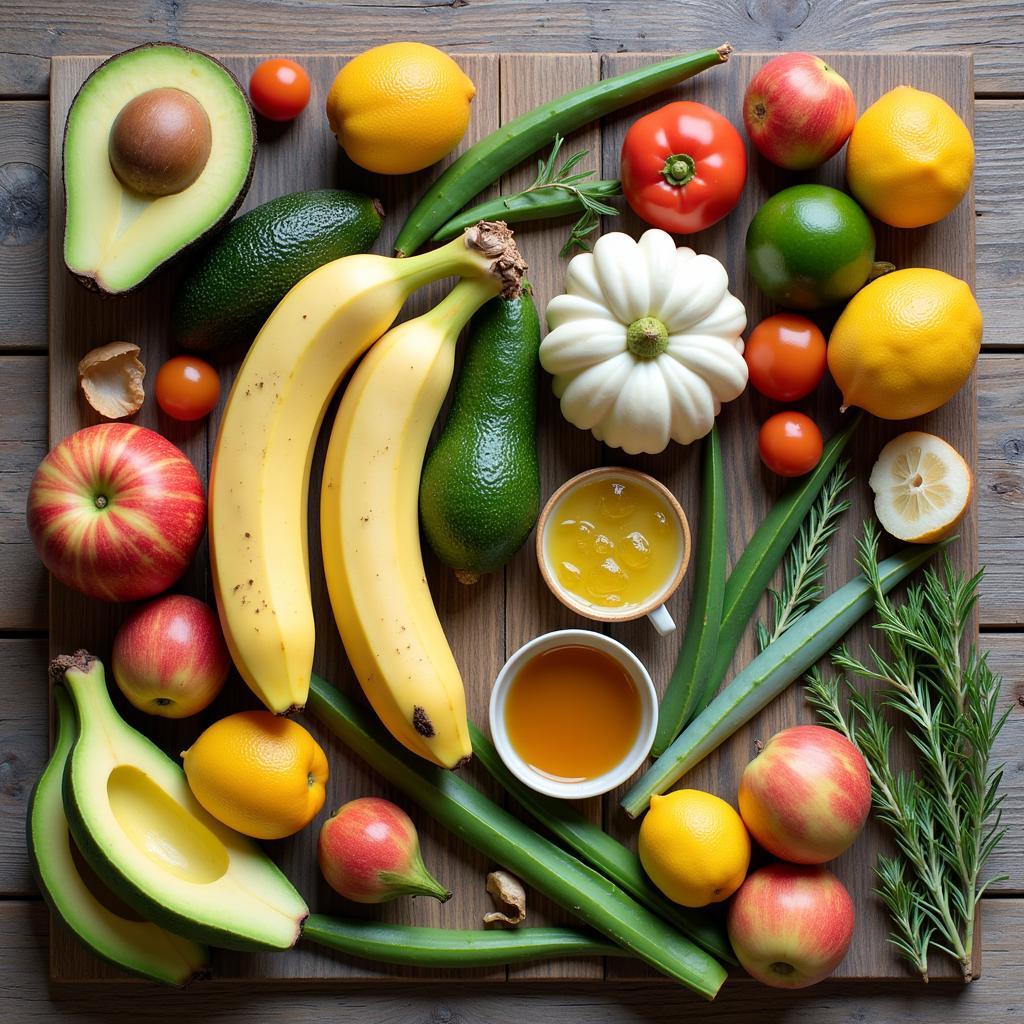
{"x":187,"y":388}
{"x":790,"y":444}
{"x":279,"y":89}
{"x":785,"y":355}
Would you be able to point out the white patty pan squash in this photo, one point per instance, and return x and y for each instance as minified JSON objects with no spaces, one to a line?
{"x":645,"y":343}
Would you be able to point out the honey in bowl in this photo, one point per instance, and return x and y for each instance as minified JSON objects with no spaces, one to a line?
{"x":572,"y":713}
{"x":613,"y":543}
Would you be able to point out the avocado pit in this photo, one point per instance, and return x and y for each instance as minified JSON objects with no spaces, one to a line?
{"x":160,"y":142}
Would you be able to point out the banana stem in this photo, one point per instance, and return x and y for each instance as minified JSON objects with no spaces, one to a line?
{"x":455,"y":310}
{"x":485,"y":251}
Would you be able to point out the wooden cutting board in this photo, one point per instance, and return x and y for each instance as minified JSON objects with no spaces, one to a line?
{"x":491,"y":619}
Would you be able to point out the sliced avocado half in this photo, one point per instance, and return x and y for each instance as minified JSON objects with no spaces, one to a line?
{"x":99,"y":919}
{"x":137,"y":824}
{"x":115,"y":237}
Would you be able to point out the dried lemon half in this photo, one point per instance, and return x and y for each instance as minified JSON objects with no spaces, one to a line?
{"x":922,"y":487}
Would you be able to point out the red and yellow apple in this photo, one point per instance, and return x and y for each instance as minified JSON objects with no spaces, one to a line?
{"x":170,"y":658}
{"x":790,"y":924}
{"x":806,"y":796}
{"x":116,"y":511}
{"x":798,"y":111}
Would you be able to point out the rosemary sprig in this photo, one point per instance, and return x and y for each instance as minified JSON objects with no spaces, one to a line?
{"x":807,"y":559}
{"x":945,"y":812}
{"x":567,"y":179}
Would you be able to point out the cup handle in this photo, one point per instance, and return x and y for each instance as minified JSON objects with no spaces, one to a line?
{"x":662,"y":621}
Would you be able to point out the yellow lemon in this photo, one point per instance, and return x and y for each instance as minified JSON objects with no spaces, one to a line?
{"x":922,"y":487}
{"x":910,"y":158}
{"x":905,"y":343}
{"x":258,"y":773}
{"x":399,"y":108}
{"x":695,"y":847}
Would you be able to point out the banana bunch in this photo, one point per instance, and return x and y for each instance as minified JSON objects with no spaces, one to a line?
{"x":369,"y":522}
{"x":259,"y":478}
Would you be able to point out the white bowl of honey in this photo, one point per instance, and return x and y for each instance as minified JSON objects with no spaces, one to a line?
{"x":613,"y":544}
{"x":573,"y":714}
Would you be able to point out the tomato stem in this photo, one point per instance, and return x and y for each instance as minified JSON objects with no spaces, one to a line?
{"x":679,"y":169}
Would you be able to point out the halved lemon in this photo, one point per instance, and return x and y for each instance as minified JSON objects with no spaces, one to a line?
{"x":922,"y":487}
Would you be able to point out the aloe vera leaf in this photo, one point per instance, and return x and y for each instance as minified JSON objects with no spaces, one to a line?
{"x":601,"y":851}
{"x":697,"y":653}
{"x":754,"y":569}
{"x":770,"y":673}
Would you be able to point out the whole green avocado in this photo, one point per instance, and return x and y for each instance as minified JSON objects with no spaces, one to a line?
{"x":261,"y":256}
{"x":480,"y":490}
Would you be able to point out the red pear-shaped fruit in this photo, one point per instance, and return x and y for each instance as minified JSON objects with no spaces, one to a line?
{"x":370,"y":853}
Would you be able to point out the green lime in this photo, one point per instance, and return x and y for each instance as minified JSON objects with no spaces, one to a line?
{"x":810,"y":246}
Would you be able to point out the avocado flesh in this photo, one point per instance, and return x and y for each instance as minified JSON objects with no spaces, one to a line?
{"x":94,"y":914}
{"x":142,"y":831}
{"x":115,"y":237}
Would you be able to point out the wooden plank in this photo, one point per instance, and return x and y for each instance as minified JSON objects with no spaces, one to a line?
{"x":1000,"y":496}
{"x":530,"y":608}
{"x":24,"y":740}
{"x":27,"y":999}
{"x":999,"y":138}
{"x":22,"y":445}
{"x":994,"y":29}
{"x":303,"y":156}
{"x":948,"y":245}
{"x":23,"y":217}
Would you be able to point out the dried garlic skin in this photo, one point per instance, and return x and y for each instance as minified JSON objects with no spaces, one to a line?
{"x":510,"y":895}
{"x":111,"y":379}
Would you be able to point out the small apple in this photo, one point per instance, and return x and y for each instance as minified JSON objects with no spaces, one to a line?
{"x":798,"y":111}
{"x":790,"y":924}
{"x":170,"y":658}
{"x":116,"y":511}
{"x":369,"y":852}
{"x":806,"y":796}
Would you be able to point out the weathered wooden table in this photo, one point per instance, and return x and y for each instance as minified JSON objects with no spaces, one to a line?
{"x":993,"y":29}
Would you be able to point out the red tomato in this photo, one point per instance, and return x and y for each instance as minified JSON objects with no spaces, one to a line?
{"x":683,"y":167}
{"x":790,"y":444}
{"x":187,"y":388}
{"x":279,"y":89}
{"x":785,"y":355}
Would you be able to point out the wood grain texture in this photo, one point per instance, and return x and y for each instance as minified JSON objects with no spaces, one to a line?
{"x":23,"y":218}
{"x":24,"y":742}
{"x":1000,"y":493}
{"x":993,"y":28}
{"x":25,"y":998}
{"x":22,"y":445}
{"x":999,"y":133}
{"x":303,"y":155}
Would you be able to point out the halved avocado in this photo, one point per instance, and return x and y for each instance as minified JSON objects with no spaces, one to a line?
{"x":115,"y":237}
{"x":97,"y":917}
{"x":136,"y":822}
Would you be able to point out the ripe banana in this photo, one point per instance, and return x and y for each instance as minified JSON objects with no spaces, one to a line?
{"x":259,"y":479}
{"x":369,"y":523}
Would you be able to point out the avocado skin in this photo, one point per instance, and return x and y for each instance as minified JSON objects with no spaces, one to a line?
{"x":235,"y":286}
{"x":90,"y":283}
{"x":480,"y":490}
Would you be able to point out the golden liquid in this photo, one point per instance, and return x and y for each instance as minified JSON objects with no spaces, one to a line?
{"x":613,"y":543}
{"x":572,"y":713}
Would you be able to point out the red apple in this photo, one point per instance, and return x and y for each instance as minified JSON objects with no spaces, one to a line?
{"x":798,"y":111}
{"x":790,"y":925}
{"x":170,"y":658}
{"x":116,"y":511}
{"x":806,"y":796}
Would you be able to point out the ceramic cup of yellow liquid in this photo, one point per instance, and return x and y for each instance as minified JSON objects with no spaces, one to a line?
{"x":613,"y":544}
{"x":573,"y":713}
